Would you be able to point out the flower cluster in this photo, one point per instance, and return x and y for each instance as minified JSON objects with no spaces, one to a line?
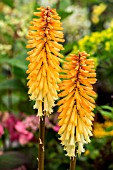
{"x":9,"y":123}
{"x":26,"y":129}
{"x":44,"y":35}
{"x":22,"y":128}
{"x":95,"y":41}
{"x":103,"y":129}
{"x":77,"y":102}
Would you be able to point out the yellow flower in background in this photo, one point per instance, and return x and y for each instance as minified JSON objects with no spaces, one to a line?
{"x":44,"y":34}
{"x":99,"y":129}
{"x":77,"y":102}
{"x":97,"y":11}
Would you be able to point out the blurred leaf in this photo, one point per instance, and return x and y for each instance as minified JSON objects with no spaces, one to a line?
{"x":63,"y":14}
{"x":5,"y":100}
{"x":31,"y":154}
{"x":19,"y":73}
{"x":11,"y":160}
{"x":108,"y":129}
{"x":3,"y":59}
{"x":65,"y":4}
{"x":27,"y":106}
{"x":107,"y":107}
{"x":9,"y":3}
{"x":68,"y":48}
{"x":18,"y":62}
{"x":94,"y":154}
{"x":14,"y":100}
{"x":105,"y":113}
{"x":14,"y":159}
{"x":11,"y":84}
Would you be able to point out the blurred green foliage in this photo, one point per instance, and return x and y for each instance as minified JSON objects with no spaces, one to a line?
{"x":100,"y":46}
{"x":98,"y":41}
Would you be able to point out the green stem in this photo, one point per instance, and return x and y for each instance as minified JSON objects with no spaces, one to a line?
{"x":76,"y":2}
{"x":72,"y":1}
{"x":58,"y":4}
{"x":72,"y":163}
{"x":41,"y":143}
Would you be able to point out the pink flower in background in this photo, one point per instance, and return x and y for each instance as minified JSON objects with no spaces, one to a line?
{"x":26,"y":128}
{"x":1,"y":130}
{"x":24,"y":135}
{"x":25,"y":138}
{"x":31,"y":123}
{"x":56,"y":128}
{"x":22,"y":128}
{"x":10,"y":125}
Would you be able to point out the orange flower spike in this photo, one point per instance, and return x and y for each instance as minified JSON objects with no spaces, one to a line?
{"x":43,"y":70}
{"x":77,"y":102}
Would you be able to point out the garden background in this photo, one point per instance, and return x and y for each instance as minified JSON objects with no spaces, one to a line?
{"x":88,"y":26}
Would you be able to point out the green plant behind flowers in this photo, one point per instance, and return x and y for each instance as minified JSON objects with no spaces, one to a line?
{"x":100,"y":46}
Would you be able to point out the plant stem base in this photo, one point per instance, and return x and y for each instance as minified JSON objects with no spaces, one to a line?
{"x":41,"y":143}
{"x":72,"y":163}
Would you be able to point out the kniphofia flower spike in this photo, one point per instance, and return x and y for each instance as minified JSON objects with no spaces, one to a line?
{"x":44,"y":34}
{"x":77,"y":102}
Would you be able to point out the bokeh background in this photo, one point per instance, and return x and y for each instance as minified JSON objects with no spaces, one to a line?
{"x":88,"y":25}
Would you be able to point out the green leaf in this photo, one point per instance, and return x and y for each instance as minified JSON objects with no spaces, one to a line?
{"x":14,"y":100}
{"x":18,"y":63}
{"x":11,"y":160}
{"x":18,"y":72}
{"x":11,"y":84}
{"x":107,"y":108}
{"x":64,"y":4}
{"x":64,"y":14}
{"x":31,"y":155}
{"x":9,"y":3}
{"x":105,"y":113}
{"x":108,"y":129}
{"x":68,"y":48}
{"x":3,"y":59}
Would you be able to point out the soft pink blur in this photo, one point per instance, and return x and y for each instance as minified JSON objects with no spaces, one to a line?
{"x":22,"y":128}
{"x":10,"y":125}
{"x":1,"y":130}
{"x":26,"y":128}
{"x":56,"y":128}
{"x":24,"y":135}
{"x":31,"y":123}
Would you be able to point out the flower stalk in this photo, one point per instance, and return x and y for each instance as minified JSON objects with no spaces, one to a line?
{"x":72,"y":163}
{"x":58,"y":4}
{"x":41,"y":148}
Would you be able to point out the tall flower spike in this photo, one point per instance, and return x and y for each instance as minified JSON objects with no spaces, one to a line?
{"x":77,"y":102}
{"x":44,"y":34}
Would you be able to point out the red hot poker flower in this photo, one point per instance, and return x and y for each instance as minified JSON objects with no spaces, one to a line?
{"x":44,"y":34}
{"x":77,"y":102}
